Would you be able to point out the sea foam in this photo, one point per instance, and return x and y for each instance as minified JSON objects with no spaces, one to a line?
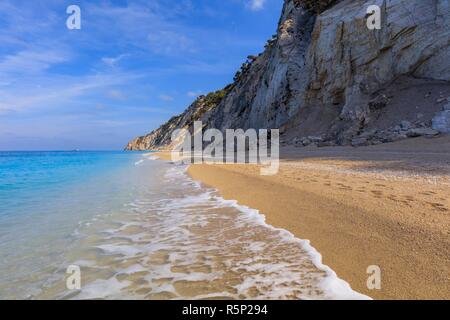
{"x":180,"y":240}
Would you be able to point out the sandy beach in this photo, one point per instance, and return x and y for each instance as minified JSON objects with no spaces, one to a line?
{"x":385,"y":205}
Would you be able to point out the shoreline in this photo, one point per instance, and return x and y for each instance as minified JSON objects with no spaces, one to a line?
{"x":358,"y":207}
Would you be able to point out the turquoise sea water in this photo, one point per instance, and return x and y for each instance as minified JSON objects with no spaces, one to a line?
{"x":28,"y":176}
{"x":43,"y":198}
{"x":140,"y":228}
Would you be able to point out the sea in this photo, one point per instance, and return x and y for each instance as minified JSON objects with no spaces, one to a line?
{"x":126,"y":225}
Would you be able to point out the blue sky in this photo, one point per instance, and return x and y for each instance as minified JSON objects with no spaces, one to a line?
{"x":132,"y":66}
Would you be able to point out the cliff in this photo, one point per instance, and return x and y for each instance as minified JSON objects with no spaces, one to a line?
{"x":326,"y":79}
{"x":161,"y":137}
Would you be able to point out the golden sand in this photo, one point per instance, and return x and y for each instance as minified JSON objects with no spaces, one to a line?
{"x":386,"y":205}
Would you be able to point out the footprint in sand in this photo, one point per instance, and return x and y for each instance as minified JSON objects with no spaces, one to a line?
{"x":427,"y":193}
{"x":438,"y":206}
{"x":344,"y":187}
{"x":377,"y":193}
{"x":393,"y":197}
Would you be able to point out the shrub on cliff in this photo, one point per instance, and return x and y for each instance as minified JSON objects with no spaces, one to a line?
{"x":318,"y":6}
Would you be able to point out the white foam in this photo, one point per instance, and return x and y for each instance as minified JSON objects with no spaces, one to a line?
{"x":278,"y":264}
{"x":150,"y":156}
{"x":107,"y":289}
{"x":333,"y":286}
{"x":125,"y":250}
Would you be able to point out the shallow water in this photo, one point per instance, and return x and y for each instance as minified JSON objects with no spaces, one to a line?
{"x":140,"y":228}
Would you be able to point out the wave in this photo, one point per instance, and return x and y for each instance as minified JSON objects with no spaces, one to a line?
{"x":181,"y":240}
{"x":150,"y":156}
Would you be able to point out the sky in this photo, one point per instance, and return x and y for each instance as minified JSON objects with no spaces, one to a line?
{"x":131,"y":67}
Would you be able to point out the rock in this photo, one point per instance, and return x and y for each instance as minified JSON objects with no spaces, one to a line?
{"x":419,"y":132}
{"x":405,"y":125}
{"x":327,"y":144}
{"x":320,"y":59}
{"x":376,"y":142}
{"x":441,"y":122}
{"x":368,"y":134}
{"x":315,"y":139}
{"x":392,"y":137}
{"x":306,"y":141}
{"x":198,"y":110}
{"x":379,"y":102}
{"x":360,"y":141}
{"x":344,"y":53}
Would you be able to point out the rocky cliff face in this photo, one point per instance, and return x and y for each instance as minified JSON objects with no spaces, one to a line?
{"x":325,"y":78}
{"x":161,"y":137}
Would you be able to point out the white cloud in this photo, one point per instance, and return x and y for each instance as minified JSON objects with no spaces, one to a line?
{"x":158,"y":110}
{"x":194,"y":94}
{"x":55,"y":91}
{"x":112,"y":61}
{"x":116,"y":95}
{"x":165,"y":97}
{"x":151,"y":25}
{"x":111,"y":123}
{"x":31,"y":61}
{"x":170,"y":42}
{"x":200,"y":67}
{"x":256,"y":5}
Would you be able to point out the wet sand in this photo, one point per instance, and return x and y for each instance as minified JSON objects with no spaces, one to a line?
{"x":174,"y":239}
{"x":385,"y":205}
